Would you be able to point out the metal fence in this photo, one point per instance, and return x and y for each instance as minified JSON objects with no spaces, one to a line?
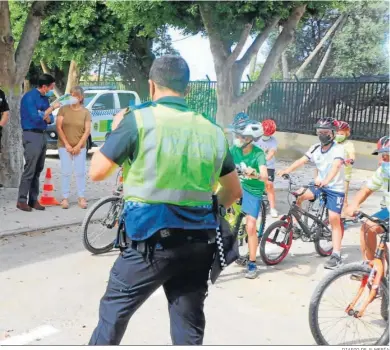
{"x":297,"y":105}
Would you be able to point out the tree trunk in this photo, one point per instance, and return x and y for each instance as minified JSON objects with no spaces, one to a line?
{"x":320,"y":45}
{"x":46,"y":70}
{"x":252,"y":66}
{"x":99,"y":69}
{"x":323,"y":62}
{"x":14,"y":66}
{"x":73,"y":76}
{"x":105,"y":67}
{"x":284,"y":62}
{"x":26,"y":86}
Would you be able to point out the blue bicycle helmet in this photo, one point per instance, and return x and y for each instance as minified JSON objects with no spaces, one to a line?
{"x":238,"y":120}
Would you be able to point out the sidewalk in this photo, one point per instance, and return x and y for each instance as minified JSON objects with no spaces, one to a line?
{"x":14,"y":221}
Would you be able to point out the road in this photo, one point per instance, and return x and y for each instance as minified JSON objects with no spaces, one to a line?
{"x":51,"y":287}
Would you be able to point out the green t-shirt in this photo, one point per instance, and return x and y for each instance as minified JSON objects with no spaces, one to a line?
{"x":254,"y":159}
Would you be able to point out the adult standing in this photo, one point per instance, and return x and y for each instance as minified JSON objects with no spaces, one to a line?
{"x":36,"y":114}
{"x":74,"y":127}
{"x":4,"y":115}
{"x":172,"y":158}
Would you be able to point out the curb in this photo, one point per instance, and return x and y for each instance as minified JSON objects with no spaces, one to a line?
{"x":38,"y":229}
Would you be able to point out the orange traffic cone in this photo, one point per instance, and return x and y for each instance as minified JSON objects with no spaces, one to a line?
{"x":47,"y":198}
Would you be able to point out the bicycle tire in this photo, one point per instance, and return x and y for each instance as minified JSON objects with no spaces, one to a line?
{"x":321,"y":288}
{"x":263,"y":254}
{"x":263,"y":212}
{"x":317,"y":246}
{"x":86,"y":221}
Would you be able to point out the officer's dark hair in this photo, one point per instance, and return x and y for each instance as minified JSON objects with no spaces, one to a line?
{"x":171,"y":72}
{"x":45,"y":79}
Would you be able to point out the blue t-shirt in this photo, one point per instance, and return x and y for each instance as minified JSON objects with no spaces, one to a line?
{"x":142,"y":220}
{"x":32,"y":110}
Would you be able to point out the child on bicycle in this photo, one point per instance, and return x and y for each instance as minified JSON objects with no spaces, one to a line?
{"x":244,"y":151}
{"x":269,"y":145}
{"x":379,"y":181}
{"x":328,"y":156}
{"x":342,"y":135}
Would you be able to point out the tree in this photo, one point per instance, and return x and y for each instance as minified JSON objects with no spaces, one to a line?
{"x":365,"y":25}
{"x":228,"y":26}
{"x":14,"y":63}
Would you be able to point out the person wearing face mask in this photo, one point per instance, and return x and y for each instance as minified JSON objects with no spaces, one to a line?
{"x":379,"y":181}
{"x":328,"y":157}
{"x":245,"y":151}
{"x":172,"y":157}
{"x":342,"y":135}
{"x":36,"y":114}
{"x":269,"y":145}
{"x":74,"y":127}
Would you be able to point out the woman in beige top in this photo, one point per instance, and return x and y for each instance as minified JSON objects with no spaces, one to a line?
{"x":74,"y":127}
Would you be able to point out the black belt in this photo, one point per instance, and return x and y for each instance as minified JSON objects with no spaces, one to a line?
{"x":170,"y":238}
{"x":37,"y":131}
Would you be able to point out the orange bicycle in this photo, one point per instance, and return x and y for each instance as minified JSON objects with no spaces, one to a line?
{"x":351,"y":305}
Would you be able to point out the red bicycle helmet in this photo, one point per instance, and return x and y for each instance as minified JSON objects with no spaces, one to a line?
{"x":269,"y":127}
{"x":341,"y":125}
{"x":382,"y":146}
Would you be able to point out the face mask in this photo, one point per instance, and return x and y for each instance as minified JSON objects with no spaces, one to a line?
{"x":50,"y":93}
{"x":266,"y":138}
{"x":386,"y":169}
{"x":325,"y":139}
{"x":71,"y":101}
{"x":340,"y":138}
{"x":238,"y":143}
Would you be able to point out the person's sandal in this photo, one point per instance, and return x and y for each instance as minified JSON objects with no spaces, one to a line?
{"x":65,"y":204}
{"x":83,"y":203}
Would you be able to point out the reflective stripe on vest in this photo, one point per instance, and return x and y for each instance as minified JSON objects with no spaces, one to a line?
{"x":148,"y":191}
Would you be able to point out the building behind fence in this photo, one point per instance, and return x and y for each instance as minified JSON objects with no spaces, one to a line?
{"x":296,"y":105}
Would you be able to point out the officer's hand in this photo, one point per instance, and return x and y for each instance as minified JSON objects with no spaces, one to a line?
{"x":282,"y":172}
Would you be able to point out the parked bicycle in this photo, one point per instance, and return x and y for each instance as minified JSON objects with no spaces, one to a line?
{"x":314,"y":227}
{"x":103,"y":222}
{"x":359,"y":295}
{"x":236,"y":218}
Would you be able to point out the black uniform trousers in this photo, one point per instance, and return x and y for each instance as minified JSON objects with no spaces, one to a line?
{"x":182,"y":268}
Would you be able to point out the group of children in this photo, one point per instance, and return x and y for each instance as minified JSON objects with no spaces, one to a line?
{"x":334,"y":156}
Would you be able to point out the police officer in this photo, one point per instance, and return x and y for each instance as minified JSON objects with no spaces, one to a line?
{"x":4,"y":115}
{"x":176,"y":157}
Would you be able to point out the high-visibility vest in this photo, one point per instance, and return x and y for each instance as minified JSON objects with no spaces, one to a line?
{"x":179,"y":158}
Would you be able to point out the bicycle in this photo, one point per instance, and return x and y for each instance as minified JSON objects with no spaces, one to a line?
{"x":316,"y":231}
{"x":356,"y":306}
{"x":106,"y":219}
{"x":236,"y":218}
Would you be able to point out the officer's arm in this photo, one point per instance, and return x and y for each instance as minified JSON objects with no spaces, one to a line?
{"x":230,"y":189}
{"x":101,"y":167}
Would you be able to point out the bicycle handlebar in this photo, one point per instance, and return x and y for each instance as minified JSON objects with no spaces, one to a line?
{"x":291,"y":183}
{"x":360,"y":215}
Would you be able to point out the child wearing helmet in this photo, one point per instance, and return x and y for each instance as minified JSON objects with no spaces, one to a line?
{"x":342,"y":134}
{"x":379,"y":181}
{"x":328,"y":156}
{"x":244,"y":151}
{"x":269,"y":145}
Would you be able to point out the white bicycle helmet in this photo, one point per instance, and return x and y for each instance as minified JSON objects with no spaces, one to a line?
{"x":251,"y":129}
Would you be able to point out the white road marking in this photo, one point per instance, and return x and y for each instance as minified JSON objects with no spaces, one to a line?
{"x":157,"y":292}
{"x":30,"y":336}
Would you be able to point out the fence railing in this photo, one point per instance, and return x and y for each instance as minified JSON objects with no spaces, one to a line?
{"x":297,"y":105}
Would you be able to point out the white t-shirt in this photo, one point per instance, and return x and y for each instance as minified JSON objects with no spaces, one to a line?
{"x":324,"y":162}
{"x":266,"y":146}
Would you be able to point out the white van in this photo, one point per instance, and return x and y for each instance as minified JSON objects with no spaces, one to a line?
{"x":104,"y":104}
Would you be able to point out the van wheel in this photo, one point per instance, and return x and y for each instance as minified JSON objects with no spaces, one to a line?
{"x":89,"y":144}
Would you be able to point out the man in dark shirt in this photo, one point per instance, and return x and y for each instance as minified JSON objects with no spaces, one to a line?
{"x":4,"y":115}
{"x":36,"y":113}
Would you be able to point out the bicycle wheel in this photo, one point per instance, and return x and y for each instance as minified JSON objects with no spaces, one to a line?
{"x":323,"y":242}
{"x":276,"y":243}
{"x":100,"y":225}
{"x":261,"y":220}
{"x":348,"y":329}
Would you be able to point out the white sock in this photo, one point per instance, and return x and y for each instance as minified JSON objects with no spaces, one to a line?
{"x":338,"y":254}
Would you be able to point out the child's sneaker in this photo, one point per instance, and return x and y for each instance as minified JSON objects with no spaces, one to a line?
{"x":251,"y":270}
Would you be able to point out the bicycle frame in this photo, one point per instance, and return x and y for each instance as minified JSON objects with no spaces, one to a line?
{"x":376,"y":274}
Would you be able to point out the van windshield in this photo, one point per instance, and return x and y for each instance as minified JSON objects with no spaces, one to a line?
{"x":88,"y":96}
